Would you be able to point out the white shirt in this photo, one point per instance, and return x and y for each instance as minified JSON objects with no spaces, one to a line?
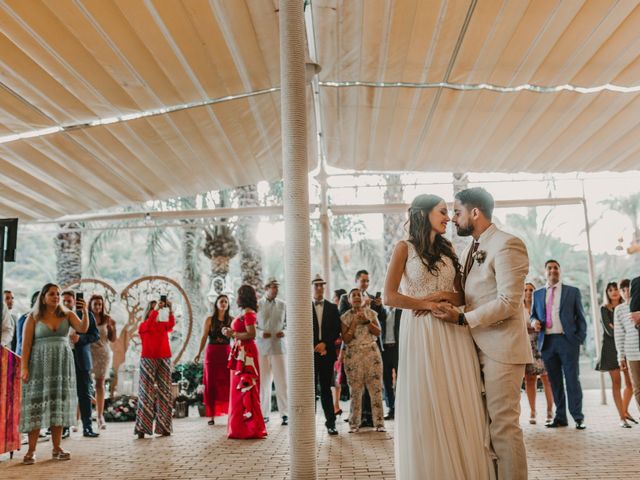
{"x":556,"y":326}
{"x":389,"y":334}
{"x":8,"y":327}
{"x":272,"y":318}
{"x":319,"y":310}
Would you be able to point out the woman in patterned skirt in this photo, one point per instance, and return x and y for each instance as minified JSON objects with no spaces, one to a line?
{"x":215,"y":374}
{"x":535,"y":369}
{"x":155,"y":368}
{"x":245,"y":413}
{"x":101,"y":353}
{"x":49,"y":396}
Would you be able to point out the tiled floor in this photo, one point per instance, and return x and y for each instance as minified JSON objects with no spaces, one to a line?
{"x":198,"y":451}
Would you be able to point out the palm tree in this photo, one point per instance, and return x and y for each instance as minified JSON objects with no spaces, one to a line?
{"x":460,"y":182}
{"x":250,"y":253}
{"x":393,"y":223}
{"x":68,"y":246}
{"x":629,"y":206}
{"x":220,"y":247}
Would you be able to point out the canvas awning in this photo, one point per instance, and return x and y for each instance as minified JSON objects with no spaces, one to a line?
{"x":160,"y":98}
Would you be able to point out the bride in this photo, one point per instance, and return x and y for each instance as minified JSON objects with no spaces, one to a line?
{"x":441,"y":429}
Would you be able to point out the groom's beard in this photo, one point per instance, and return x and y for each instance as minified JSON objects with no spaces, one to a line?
{"x":464,"y":231}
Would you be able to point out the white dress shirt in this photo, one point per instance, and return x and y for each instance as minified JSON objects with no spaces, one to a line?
{"x":556,"y":326}
{"x":319,"y":310}
{"x":272,"y":318}
{"x":8,"y":327}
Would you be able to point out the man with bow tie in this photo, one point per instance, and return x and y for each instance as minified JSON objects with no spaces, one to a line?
{"x":326,"y":330}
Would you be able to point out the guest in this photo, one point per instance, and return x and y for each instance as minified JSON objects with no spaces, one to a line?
{"x":101,"y":353}
{"x":20,"y":324}
{"x":326,"y":330}
{"x":558,"y":316}
{"x":536,"y":369}
{"x":245,"y":414}
{"x":374,"y":303}
{"x":634,"y":302}
{"x":7,"y":335}
{"x":627,"y":341}
{"x":155,"y":368}
{"x":271,"y":326}
{"x":216,"y":372}
{"x":362,"y":359}
{"x":49,"y":382}
{"x":390,"y":334}
{"x":339,"y":377}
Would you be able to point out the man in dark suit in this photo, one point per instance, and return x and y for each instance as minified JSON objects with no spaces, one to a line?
{"x":375,"y":304}
{"x":82,"y":359}
{"x":558,"y":315}
{"x":634,"y":305}
{"x":326,"y":330}
{"x":390,"y":338}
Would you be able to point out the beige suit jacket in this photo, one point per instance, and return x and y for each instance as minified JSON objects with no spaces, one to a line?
{"x":493,"y":297}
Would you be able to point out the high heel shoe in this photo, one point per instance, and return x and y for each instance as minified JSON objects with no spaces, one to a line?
{"x":29,"y":458}
{"x":60,"y":454}
{"x":102,"y":425}
{"x":338,"y":413}
{"x":624,"y":424}
{"x":532,"y":418}
{"x":549,"y":417}
{"x":629,"y":417}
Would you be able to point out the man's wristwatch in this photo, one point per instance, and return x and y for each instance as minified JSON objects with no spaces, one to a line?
{"x":462,"y":321}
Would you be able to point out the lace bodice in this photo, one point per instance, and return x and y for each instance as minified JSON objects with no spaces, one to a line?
{"x":417,"y":281}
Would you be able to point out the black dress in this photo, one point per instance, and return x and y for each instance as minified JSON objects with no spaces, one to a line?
{"x":608,"y":355}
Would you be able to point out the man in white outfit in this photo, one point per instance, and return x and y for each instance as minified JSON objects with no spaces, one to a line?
{"x":272,"y":323}
{"x":494,"y":269}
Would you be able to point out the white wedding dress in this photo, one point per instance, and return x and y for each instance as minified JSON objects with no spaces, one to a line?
{"x":441,"y":429}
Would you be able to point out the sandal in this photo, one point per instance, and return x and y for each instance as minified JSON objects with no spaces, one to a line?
{"x":381,"y":429}
{"x":29,"y":458}
{"x":354,"y":429}
{"x":211,"y":422}
{"x":60,"y":455}
{"x":629,"y":417}
{"x":532,"y":418}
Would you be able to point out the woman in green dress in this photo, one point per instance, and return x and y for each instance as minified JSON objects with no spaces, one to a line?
{"x":49,"y":396}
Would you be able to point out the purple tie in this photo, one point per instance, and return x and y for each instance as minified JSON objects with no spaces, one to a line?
{"x":549,"y":322}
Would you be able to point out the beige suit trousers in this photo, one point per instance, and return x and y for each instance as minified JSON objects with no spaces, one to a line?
{"x":502,"y":383}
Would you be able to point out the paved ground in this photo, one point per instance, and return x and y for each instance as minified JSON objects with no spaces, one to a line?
{"x":198,"y":451}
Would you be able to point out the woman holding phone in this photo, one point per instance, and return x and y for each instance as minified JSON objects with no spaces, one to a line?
{"x":155,"y":368}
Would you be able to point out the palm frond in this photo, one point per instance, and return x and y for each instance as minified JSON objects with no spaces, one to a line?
{"x":98,"y":246}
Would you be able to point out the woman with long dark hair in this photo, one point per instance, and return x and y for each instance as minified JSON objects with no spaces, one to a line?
{"x":608,"y":361}
{"x":215,"y":374}
{"x":154,"y":398}
{"x":440,"y":420}
{"x":101,"y":353}
{"x":49,"y":396}
{"x":535,"y":369}
{"x":245,"y":413}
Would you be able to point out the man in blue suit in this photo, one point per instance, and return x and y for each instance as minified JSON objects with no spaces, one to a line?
{"x":558,"y":315}
{"x":82,"y":358}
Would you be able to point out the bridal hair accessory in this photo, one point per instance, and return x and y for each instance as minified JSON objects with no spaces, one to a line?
{"x":479,"y":256}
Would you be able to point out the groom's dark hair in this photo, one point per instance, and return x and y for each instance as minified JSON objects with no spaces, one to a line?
{"x":477,"y":197}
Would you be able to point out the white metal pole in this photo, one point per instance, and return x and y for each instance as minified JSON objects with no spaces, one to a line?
{"x":325,"y":227}
{"x":593,"y":293}
{"x":302,"y":434}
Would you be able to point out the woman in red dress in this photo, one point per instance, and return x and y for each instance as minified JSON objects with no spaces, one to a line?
{"x":245,"y":415}
{"x":215,"y":375}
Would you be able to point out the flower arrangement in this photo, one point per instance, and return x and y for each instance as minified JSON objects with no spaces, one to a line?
{"x":479,"y":256}
{"x":189,"y":377}
{"x":198,"y":396}
{"x":121,"y":409}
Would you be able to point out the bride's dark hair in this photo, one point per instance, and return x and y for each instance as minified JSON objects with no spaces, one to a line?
{"x":430,"y":253}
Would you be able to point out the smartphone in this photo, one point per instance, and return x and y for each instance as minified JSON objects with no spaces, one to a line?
{"x":79,"y":296}
{"x":378,"y":294}
{"x":163,"y":298}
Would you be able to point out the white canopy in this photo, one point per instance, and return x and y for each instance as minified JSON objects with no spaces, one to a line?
{"x":113,"y":102}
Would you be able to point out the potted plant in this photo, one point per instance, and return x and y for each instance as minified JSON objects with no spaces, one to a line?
{"x":199,"y":400}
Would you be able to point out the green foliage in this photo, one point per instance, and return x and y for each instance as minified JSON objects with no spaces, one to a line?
{"x":188,"y":376}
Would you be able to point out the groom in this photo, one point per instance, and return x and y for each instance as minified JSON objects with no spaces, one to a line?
{"x":494,"y":269}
